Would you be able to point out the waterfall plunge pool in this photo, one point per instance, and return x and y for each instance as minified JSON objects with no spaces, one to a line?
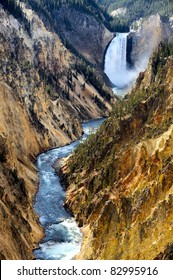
{"x":63,"y":238}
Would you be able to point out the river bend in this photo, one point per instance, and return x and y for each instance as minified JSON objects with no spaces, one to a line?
{"x":63,"y":238}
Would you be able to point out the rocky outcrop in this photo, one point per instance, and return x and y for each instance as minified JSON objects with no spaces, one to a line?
{"x":43,"y":101}
{"x":120,"y":183}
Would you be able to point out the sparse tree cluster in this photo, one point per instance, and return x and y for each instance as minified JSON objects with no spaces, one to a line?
{"x":92,"y":77}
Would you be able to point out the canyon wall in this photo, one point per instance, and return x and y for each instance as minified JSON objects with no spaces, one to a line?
{"x":43,"y":100}
{"x":88,"y":36}
{"x":119,"y":183}
{"x":144,"y":38}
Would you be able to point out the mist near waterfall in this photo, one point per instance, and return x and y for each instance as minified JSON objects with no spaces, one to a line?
{"x":116,"y":68}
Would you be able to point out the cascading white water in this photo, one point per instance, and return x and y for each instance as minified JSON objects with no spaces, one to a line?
{"x":115,"y":60}
{"x":116,"y":65}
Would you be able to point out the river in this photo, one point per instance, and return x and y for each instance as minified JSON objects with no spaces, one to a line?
{"x":63,"y":238}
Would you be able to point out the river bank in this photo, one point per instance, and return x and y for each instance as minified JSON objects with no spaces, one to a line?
{"x":63,"y":238}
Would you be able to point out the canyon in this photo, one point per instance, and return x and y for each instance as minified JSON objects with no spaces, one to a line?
{"x":119,"y":182}
{"x":43,"y":102}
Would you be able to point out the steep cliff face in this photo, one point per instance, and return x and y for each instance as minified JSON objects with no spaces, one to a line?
{"x":120,"y":184}
{"x":43,"y":100}
{"x":19,"y":143}
{"x":149,"y":32}
{"x":84,"y":33}
{"x":41,"y":68}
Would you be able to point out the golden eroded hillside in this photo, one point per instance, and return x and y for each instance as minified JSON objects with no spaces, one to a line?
{"x":43,"y":100}
{"x":120,"y":181}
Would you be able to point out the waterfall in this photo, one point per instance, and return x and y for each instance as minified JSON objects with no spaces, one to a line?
{"x":116,"y":67}
{"x":115,"y":61}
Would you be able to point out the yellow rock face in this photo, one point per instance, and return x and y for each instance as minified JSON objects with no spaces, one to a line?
{"x":39,"y":109}
{"x":122,"y":194}
{"x":19,"y":144}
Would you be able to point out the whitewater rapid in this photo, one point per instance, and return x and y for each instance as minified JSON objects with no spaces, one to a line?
{"x":63,"y":238}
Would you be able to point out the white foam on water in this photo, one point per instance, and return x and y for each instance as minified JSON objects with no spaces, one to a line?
{"x":63,"y":238}
{"x":59,"y":251}
{"x":116,"y":68}
{"x":65,"y":241}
